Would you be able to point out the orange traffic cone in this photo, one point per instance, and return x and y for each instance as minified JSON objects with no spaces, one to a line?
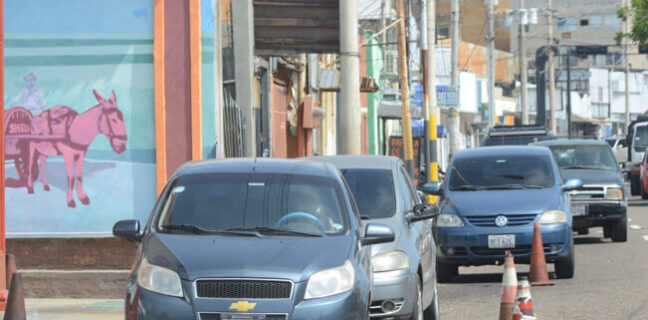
{"x":509,"y":288}
{"x":524,"y":301}
{"x":16,"y":301}
{"x":538,"y":274}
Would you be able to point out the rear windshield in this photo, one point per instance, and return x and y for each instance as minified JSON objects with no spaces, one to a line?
{"x":517,"y":140}
{"x":584,"y":157}
{"x":641,"y":138}
{"x":373,"y":191}
{"x":218,"y":202}
{"x":501,"y":172}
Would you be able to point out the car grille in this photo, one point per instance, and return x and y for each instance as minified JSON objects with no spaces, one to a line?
{"x":518,"y":250}
{"x":229,"y":316}
{"x":244,"y":289}
{"x":588,"y":192}
{"x":513,"y":220}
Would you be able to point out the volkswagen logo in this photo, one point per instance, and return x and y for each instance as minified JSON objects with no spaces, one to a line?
{"x":501,"y":221}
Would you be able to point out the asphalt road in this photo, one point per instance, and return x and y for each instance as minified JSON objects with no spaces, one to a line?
{"x":610,"y":280}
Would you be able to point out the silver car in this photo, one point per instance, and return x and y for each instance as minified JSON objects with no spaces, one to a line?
{"x":404,"y":271}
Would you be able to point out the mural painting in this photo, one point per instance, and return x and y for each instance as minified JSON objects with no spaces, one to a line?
{"x":79,"y":116}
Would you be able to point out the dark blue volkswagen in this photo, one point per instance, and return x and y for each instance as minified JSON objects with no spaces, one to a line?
{"x":252,"y":239}
{"x":490,"y":201}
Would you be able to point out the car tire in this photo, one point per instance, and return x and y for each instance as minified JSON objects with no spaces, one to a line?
{"x":620,"y":231}
{"x":635,"y":186}
{"x":445,"y":272}
{"x":432,"y":312}
{"x":607,"y":231}
{"x":644,"y":195}
{"x":564,"y":267}
{"x":417,"y":313}
{"x":583,"y":231}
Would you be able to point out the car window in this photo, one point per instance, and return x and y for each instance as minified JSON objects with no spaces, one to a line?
{"x":622,"y":143}
{"x":584,"y":157}
{"x":641,"y":138}
{"x":611,"y":142}
{"x":241,"y":200}
{"x":501,"y":172}
{"x":410,"y":186}
{"x":373,"y":191}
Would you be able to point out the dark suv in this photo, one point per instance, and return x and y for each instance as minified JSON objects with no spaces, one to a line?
{"x":516,"y":135}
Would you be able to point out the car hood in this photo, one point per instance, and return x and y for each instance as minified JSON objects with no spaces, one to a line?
{"x":294,"y":258}
{"x":486,"y":203}
{"x":593,"y":176}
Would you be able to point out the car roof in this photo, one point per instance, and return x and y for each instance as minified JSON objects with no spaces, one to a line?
{"x":259,"y":165}
{"x":358,"y":161}
{"x":571,"y":142}
{"x":500,"y":130}
{"x":501,"y":150}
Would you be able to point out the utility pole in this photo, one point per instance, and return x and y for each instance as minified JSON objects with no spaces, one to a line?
{"x":523,"y":66}
{"x":453,"y":116}
{"x":406,"y":118}
{"x":626,"y":43}
{"x":491,"y":63}
{"x":243,"y":25}
{"x":218,"y":81}
{"x":350,"y":74}
{"x":430,"y":95}
{"x":426,"y":89}
{"x":569,"y":105}
{"x":551,"y":71}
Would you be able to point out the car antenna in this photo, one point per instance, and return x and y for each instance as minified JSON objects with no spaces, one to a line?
{"x":254,"y":168}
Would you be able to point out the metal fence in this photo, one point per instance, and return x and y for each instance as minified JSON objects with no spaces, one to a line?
{"x":233,"y":126}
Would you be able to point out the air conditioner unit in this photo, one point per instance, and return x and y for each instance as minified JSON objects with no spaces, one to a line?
{"x":391,"y":64}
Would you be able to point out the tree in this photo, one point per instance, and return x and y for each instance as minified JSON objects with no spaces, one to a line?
{"x":638,"y":11}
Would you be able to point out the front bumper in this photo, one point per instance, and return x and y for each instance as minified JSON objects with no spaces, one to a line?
{"x":149,"y":305}
{"x":397,"y":286}
{"x":600,"y":213}
{"x":468,"y":245}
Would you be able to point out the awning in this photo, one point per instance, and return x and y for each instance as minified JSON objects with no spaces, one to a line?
{"x":329,"y":81}
{"x":392,"y":110}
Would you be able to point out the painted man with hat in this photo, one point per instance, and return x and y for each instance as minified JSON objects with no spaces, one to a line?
{"x":31,"y":98}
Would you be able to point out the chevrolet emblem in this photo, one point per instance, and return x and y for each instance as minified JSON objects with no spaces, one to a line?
{"x":242,"y":306}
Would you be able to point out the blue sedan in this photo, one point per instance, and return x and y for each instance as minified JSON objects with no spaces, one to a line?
{"x":490,"y":201}
{"x":252,"y":239}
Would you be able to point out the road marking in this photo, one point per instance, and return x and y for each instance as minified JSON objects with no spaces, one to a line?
{"x":645,"y":238}
{"x":635,"y":227}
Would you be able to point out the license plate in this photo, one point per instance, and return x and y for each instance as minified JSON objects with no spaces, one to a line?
{"x":501,"y":241}
{"x":578,"y":210}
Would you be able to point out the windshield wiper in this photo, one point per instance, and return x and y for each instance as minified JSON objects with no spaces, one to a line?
{"x":198,"y":230}
{"x":276,"y":231}
{"x":509,"y":176}
{"x":585,"y":167}
{"x":514,"y":187}
{"x":469,"y":187}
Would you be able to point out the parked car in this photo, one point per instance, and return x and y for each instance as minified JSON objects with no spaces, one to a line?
{"x":644,"y":177}
{"x":601,"y":202}
{"x":620,"y":148}
{"x":404,"y":270}
{"x":252,"y":239}
{"x":490,"y":201}
{"x":515,"y":135}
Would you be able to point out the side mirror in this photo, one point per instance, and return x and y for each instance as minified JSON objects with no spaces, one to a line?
{"x":433,"y":188}
{"x":376,"y":233}
{"x":421,"y":212}
{"x":572,"y":184}
{"x":128,"y":229}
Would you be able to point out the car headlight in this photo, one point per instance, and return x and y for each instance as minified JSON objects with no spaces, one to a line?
{"x":449,"y":220}
{"x":553,"y":216}
{"x":159,"y":279}
{"x":614,"y":193}
{"x":330,"y":282}
{"x":389,"y":261}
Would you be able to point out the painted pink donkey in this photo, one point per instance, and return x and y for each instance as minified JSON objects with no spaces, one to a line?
{"x":76,"y":132}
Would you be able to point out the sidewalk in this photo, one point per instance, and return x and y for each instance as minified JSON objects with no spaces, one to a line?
{"x":74,"y":309}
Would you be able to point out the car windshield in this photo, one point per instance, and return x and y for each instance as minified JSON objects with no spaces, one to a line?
{"x":517,"y":140}
{"x":501,"y":172}
{"x":262,"y":204}
{"x":584,"y":157}
{"x":373,"y":191}
{"x":641,"y":138}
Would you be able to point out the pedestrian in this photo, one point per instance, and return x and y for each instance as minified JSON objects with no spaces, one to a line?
{"x":30,"y":97}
